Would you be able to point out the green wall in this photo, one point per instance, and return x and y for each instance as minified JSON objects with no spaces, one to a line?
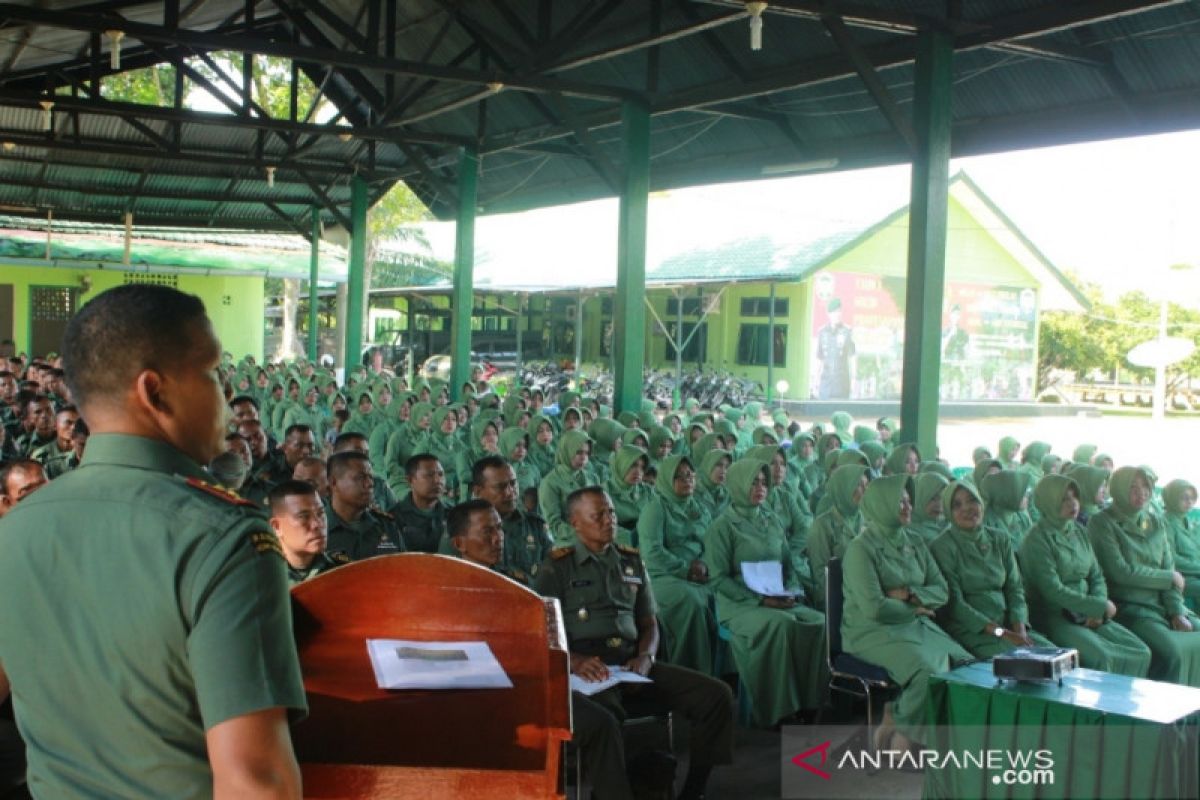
{"x":235,"y":304}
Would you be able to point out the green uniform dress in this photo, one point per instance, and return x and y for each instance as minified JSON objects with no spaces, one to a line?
{"x":628,"y":499}
{"x":541,"y":455}
{"x":833,"y":530}
{"x":603,"y":597}
{"x":377,"y":442}
{"x":713,"y":496}
{"x":528,"y":475}
{"x":927,"y":486}
{"x":797,"y":520}
{"x":372,"y":533}
{"x":1003,"y":495}
{"x":887,"y":631}
{"x":1065,"y":587}
{"x":1134,"y":552}
{"x":465,"y":458}
{"x":1185,"y":538}
{"x":410,"y":439}
{"x":606,"y":439}
{"x":558,"y":485}
{"x":670,"y":537}
{"x":779,"y":653}
{"x":984,"y":584}
{"x":169,"y":614}
{"x":447,"y":447}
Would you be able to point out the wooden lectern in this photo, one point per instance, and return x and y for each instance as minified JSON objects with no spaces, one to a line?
{"x":361,"y":741}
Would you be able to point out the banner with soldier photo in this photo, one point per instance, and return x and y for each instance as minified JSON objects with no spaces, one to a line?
{"x":989,"y":339}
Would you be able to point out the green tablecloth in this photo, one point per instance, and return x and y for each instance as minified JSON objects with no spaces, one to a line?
{"x":1111,"y":736}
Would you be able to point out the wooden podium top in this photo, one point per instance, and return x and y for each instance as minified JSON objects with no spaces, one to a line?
{"x":363,"y":741}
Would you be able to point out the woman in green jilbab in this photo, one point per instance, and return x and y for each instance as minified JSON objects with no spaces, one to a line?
{"x":987,"y":613}
{"x":671,"y":540}
{"x":905,"y":459}
{"x":570,"y":473}
{"x":1006,"y":495}
{"x":892,"y":588}
{"x":778,"y":644}
{"x":711,"y":492}
{"x":1065,"y":588}
{"x":445,"y":444}
{"x":1179,"y":497}
{"x":1135,"y":554}
{"x":784,"y":502}
{"x":801,"y":456}
{"x":629,"y":494}
{"x":832,"y":530}
{"x":1007,"y":453}
{"x":928,"y":518}
{"x":514,"y":447}
{"x":1093,"y":489}
{"x":484,"y":441}
{"x":541,"y":444}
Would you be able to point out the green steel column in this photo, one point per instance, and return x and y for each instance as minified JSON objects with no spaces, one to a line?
{"x":313,"y":300}
{"x":770,"y":350}
{"x":927,"y":240}
{"x":355,"y":288}
{"x":629,"y":314}
{"x":462,"y":300}
{"x":677,"y":395}
{"x":520,"y":324}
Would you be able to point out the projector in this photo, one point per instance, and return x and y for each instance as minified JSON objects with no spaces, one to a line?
{"x":1035,"y":664}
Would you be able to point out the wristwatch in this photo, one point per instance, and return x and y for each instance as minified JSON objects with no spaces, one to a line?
{"x":998,"y":632}
{"x":647,"y":655}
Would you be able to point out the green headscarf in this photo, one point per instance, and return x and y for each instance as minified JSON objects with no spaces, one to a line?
{"x":896,"y":462}
{"x":1048,"y":497}
{"x":1118,"y":489}
{"x":606,"y":433}
{"x":826,"y":439}
{"x":840,"y":489}
{"x":948,"y":501}
{"x":509,"y":440}
{"x":629,"y":438}
{"x":664,"y":482}
{"x":703,"y":445}
{"x":623,"y":460}
{"x":741,"y":476}
{"x":864,"y":434}
{"x":852,"y":457}
{"x":981,"y":453}
{"x":881,"y":502}
{"x":1051,"y":464}
{"x":759,"y":434}
{"x":876,"y":453}
{"x":659,"y":435}
{"x":569,"y":444}
{"x":725,"y":427}
{"x":1005,"y":490}
{"x":1173,"y":494}
{"x":927,"y":486}
{"x":707,"y":465}
{"x":936,"y":467}
{"x":1084,"y":453}
{"x":795,"y":450}
{"x":1007,"y":454}
{"x":765,"y":453}
{"x":841,"y":425}
{"x":981,"y":469}
{"x":628,"y":419}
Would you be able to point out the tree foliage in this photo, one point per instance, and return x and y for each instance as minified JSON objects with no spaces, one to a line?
{"x":1093,"y":345}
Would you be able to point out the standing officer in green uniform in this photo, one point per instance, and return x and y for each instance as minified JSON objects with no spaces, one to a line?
{"x":298,"y":519}
{"x":169,"y":626}
{"x":356,"y":529}
{"x":526,"y":543}
{"x":421,"y":512}
{"x":608,"y":609}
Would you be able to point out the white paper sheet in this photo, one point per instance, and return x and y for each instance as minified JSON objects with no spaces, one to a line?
{"x":765,"y":578}
{"x":404,"y":664}
{"x":615,"y":675}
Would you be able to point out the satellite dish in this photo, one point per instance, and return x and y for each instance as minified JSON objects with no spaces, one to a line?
{"x":1161,"y":352}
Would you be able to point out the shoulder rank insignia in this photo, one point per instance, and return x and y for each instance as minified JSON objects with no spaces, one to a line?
{"x":381,"y":512}
{"x":629,"y":551}
{"x":265,"y":542}
{"x":228,"y":495}
{"x":339,"y":558}
{"x":561,"y":552}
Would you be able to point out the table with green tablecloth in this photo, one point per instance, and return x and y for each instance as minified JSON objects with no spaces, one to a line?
{"x":1110,"y":736}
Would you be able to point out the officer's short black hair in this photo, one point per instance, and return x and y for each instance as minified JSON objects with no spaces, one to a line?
{"x":299,"y":427}
{"x":81,"y":430}
{"x":458,"y":519}
{"x":340,"y":462}
{"x":67,"y":409}
{"x":483,"y":465}
{"x":125,"y":330}
{"x":345,"y":441}
{"x":413,"y":464}
{"x":288,"y":488}
{"x":574,"y":498}
{"x":229,"y":437}
{"x":8,"y":467}
{"x":244,"y":398}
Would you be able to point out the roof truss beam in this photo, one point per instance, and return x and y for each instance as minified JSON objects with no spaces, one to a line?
{"x":870,"y":77}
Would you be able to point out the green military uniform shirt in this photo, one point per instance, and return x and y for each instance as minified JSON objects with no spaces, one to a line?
{"x":422,"y":528}
{"x":526,"y":543}
{"x":374,"y":533}
{"x":603,"y":595}
{"x":139,"y":607}
{"x":54,"y":461}
{"x":27,"y":443}
{"x":323,"y":562}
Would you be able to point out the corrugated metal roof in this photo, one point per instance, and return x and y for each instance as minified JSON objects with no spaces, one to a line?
{"x":1028,"y":72}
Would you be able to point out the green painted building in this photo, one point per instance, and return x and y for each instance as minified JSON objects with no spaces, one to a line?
{"x":997,"y":282}
{"x":46,"y":275}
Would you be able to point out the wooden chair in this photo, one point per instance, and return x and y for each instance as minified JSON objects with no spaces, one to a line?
{"x":362,"y":741}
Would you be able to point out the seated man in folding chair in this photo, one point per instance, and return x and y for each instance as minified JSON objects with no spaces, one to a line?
{"x":608,"y":609}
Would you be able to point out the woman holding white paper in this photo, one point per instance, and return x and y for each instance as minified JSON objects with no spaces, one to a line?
{"x":778,"y":643}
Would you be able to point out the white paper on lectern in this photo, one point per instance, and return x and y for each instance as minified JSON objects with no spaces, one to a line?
{"x":765,"y":578}
{"x":403,"y":664}
{"x":615,"y":675}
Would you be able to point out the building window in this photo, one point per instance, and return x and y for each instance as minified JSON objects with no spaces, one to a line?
{"x":691,"y":306}
{"x":752,"y":345}
{"x":761,"y":306}
{"x":696,"y":349}
{"x":154,"y":278}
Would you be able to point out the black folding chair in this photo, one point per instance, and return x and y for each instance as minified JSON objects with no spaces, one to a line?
{"x":849,"y":674}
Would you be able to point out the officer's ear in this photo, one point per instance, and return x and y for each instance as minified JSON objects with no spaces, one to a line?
{"x":149,"y":389}
{"x":459,"y":543}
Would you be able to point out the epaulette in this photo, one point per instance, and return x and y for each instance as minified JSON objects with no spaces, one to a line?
{"x":561,"y":552}
{"x":228,"y":495}
{"x":339,"y":558}
{"x":265,"y":542}
{"x":382,"y":513}
{"x":629,"y":551}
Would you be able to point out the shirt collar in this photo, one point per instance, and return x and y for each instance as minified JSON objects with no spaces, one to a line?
{"x":582,"y":554}
{"x":141,"y":453}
